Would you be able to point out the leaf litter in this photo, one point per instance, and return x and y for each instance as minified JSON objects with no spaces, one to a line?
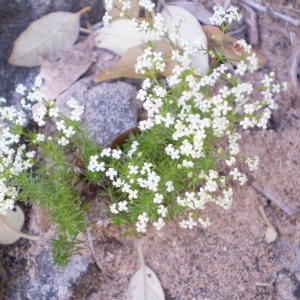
{"x":71,"y":65}
{"x":46,"y":38}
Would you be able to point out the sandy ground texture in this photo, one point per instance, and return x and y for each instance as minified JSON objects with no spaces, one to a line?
{"x":230,"y":259}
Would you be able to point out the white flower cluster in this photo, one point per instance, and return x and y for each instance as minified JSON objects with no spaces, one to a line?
{"x":77,"y":111}
{"x":13,"y":161}
{"x":188,"y":114}
{"x":150,"y":61}
{"x":221,"y":16}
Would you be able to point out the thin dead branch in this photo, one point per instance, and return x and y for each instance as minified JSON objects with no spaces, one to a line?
{"x":294,"y":41}
{"x":259,"y":7}
{"x":289,"y":211}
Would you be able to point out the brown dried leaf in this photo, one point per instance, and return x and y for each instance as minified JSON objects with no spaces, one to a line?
{"x":45,"y":38}
{"x":11,"y":225}
{"x":59,"y":75}
{"x":229,"y":48}
{"x":124,"y":67}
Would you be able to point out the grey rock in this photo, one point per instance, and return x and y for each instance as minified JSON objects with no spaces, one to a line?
{"x":109,"y":107}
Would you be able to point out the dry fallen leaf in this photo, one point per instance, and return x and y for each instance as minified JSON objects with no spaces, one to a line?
{"x":124,"y":67}
{"x":229,"y":45}
{"x":10,"y":226}
{"x":60,"y":74}
{"x":271,"y":233}
{"x":45,"y":38}
{"x":190,"y":29}
{"x":119,"y":36}
{"x":144,"y":284}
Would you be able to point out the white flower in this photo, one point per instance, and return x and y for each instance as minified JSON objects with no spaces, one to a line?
{"x":158,"y":198}
{"x":113,"y":208}
{"x":122,"y":205}
{"x":133,"y":169}
{"x":170,"y":187}
{"x":133,"y":194}
{"x":159,"y":224}
{"x":21,"y":89}
{"x":53,"y":112}
{"x":141,"y":227}
{"x":111,"y":173}
{"x":143,"y":218}
{"x":116,"y":153}
{"x":106,"y":152}
{"x":63,"y":141}
{"x":69,"y":132}
{"x":38,"y":82}
{"x":106,"y":19}
{"x":40,"y":137}
{"x":94,"y":166}
{"x":60,"y":125}
{"x":162,"y":211}
{"x":147,"y":4}
{"x":190,"y":223}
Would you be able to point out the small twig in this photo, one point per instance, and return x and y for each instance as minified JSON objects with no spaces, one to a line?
{"x":294,"y":57}
{"x":272,"y":198}
{"x":293,"y":21}
{"x":264,"y":216}
{"x":99,"y":265}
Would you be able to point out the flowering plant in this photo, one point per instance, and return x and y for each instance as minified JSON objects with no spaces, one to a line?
{"x":184,"y":156}
{"x":172,"y":165}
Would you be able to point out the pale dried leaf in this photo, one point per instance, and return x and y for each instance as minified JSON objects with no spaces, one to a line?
{"x":189,"y":29}
{"x":60,"y":74}
{"x":45,"y":38}
{"x":271,"y":234}
{"x":145,"y":285}
{"x":124,"y":67}
{"x":119,"y":36}
{"x":10,"y":226}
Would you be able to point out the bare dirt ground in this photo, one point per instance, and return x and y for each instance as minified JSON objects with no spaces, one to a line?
{"x":230,"y":259}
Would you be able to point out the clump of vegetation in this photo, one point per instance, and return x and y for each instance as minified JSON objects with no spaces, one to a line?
{"x":171,"y":168}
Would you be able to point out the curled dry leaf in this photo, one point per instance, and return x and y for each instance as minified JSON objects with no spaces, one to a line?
{"x":60,"y":74}
{"x":45,"y":38}
{"x":10,"y":226}
{"x":124,"y":67}
{"x":229,"y":48}
{"x":145,"y":285}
